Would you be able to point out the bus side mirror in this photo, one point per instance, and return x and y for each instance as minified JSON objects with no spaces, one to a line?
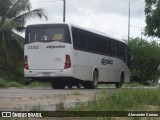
{"x":130,"y":55}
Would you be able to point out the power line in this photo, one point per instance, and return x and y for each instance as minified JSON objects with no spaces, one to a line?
{"x":86,"y":17}
{"x":130,"y":2}
{"x":49,"y":1}
{"x":64,"y":7}
{"x":45,"y":1}
{"x":124,"y":1}
{"x":134,"y":1}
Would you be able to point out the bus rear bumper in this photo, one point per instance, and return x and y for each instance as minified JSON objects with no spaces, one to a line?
{"x":47,"y":73}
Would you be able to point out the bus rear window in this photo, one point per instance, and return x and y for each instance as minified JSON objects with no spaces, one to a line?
{"x":44,"y":34}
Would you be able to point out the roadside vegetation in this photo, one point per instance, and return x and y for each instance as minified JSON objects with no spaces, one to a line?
{"x":119,"y":100}
{"x":123,"y":100}
{"x":145,"y":62}
{"x":38,"y":84}
{"x":12,"y":78}
{"x":8,"y":83}
{"x":13,"y":17}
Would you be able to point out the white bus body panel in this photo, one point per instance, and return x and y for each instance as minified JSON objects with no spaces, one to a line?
{"x":85,"y":63}
{"x":47,"y":60}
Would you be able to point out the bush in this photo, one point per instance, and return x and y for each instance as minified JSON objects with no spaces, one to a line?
{"x":2,"y":83}
{"x":145,"y":61}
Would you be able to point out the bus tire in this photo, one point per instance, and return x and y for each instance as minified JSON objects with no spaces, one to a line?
{"x":119,"y":84}
{"x":70,"y":86}
{"x":95,"y":80}
{"x":57,"y":85}
{"x":92,"y":84}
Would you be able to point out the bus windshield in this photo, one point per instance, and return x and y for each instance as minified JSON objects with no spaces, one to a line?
{"x":45,"y":34}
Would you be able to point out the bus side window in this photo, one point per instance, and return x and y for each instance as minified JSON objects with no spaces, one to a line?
{"x":112,"y":49}
{"x":75,"y":38}
{"x":116,"y":49}
{"x":102,"y":45}
{"x":86,"y":36}
{"x":90,"y":42}
{"x":81,"y":37}
{"x":107,"y":47}
{"x":122,"y":52}
{"x":97,"y":44}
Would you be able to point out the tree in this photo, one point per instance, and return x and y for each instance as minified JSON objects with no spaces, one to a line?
{"x":13,"y":16}
{"x":146,"y":59}
{"x":152,"y":12}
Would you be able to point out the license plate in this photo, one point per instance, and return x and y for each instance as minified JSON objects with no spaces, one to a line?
{"x":46,"y":74}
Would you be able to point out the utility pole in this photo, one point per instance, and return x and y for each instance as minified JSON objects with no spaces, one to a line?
{"x":64,"y":11}
{"x":141,"y":34}
{"x":129,"y":12}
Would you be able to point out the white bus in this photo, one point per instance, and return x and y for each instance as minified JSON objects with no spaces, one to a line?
{"x":68,"y":55}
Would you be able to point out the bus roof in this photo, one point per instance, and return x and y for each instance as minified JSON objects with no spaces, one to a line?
{"x":86,"y":29}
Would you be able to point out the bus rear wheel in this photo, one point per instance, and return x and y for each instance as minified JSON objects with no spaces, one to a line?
{"x":92,"y":84}
{"x":57,"y":85}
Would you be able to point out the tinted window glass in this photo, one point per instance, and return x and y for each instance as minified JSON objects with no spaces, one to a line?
{"x":90,"y":38}
{"x":42,"y":33}
{"x":122,"y":51}
{"x":102,"y":46}
{"x":107,"y":47}
{"x":46,"y":34}
{"x":114,"y":49}
{"x":75,"y":38}
{"x":87,"y":41}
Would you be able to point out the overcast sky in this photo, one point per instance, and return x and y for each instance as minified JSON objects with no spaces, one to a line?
{"x":108,"y":16}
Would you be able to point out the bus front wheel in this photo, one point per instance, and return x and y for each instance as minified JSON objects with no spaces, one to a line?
{"x":119,"y":84}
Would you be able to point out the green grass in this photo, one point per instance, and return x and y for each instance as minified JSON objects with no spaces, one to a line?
{"x":39,"y":84}
{"x":9,"y":78}
{"x":14,"y":84}
{"x":128,"y":85}
{"x":122,"y":100}
{"x":5,"y":84}
{"x":37,"y":108}
{"x":133,"y":84}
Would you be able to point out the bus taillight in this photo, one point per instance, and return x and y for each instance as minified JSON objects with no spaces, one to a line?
{"x":68,"y":62}
{"x":26,"y":62}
